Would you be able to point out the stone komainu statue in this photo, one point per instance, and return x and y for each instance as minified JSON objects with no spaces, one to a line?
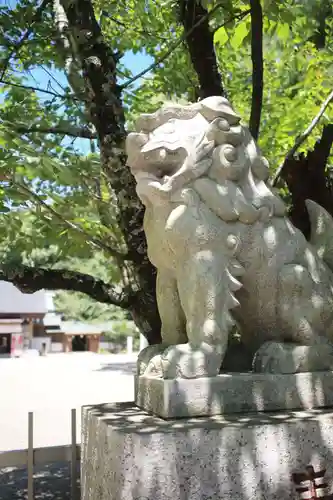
{"x":224,"y":249}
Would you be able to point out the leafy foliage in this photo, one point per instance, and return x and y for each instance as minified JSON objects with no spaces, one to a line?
{"x":297,"y":76}
{"x":80,"y":307}
{"x":57,"y":207}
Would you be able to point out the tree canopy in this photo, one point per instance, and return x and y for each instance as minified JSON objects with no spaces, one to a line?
{"x":70,"y":93}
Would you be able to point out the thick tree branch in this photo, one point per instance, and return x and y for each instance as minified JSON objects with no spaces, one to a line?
{"x":105,"y":111}
{"x":30,"y":280}
{"x":306,"y":178}
{"x":300,"y":139}
{"x":36,"y":18}
{"x":177,"y":43}
{"x":200,"y":42}
{"x":83,"y":133}
{"x":323,"y":16}
{"x":72,"y":67}
{"x":257,"y":66}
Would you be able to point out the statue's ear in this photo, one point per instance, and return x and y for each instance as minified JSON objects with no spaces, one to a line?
{"x":215,"y":107}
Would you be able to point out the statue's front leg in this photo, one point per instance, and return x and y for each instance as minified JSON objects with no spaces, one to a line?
{"x":205,"y":296}
{"x":173,"y":323}
{"x":170,"y":309}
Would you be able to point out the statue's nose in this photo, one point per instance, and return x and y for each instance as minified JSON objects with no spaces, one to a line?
{"x":134,"y":143}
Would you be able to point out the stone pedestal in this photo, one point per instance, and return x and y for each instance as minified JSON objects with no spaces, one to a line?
{"x":234,"y":393}
{"x":129,"y":455}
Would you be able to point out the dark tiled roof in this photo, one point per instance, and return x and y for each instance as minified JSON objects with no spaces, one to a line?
{"x":12,"y":301}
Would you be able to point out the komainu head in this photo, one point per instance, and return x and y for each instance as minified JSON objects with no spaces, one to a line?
{"x":204,"y":147}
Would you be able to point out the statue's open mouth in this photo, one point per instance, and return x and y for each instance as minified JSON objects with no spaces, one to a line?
{"x":163,"y":161}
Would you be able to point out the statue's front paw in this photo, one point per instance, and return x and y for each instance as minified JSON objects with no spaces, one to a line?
{"x":181,"y":361}
{"x":166,"y":187}
{"x":146,"y":355}
{"x":155,"y":367}
{"x":173,"y":362}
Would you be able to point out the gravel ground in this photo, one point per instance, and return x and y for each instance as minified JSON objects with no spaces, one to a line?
{"x":52,"y":482}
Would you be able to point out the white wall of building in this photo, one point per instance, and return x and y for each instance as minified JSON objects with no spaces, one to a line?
{"x":37,"y":342}
{"x":57,"y":347}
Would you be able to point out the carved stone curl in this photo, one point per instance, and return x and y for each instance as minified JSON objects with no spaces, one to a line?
{"x":224,"y":249}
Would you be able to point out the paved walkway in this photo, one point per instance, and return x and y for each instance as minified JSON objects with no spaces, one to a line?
{"x":50,"y":386}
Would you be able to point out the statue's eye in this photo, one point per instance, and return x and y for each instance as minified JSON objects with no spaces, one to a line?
{"x":159,"y":173}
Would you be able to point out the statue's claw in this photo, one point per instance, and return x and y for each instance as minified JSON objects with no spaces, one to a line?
{"x":146,"y":355}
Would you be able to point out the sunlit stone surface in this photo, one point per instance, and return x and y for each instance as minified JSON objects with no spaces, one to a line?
{"x":224,"y":248}
{"x":225,"y":253}
{"x":234,"y":393}
{"x":130,"y":455}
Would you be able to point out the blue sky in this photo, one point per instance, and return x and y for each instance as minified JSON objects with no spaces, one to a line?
{"x":40,"y":78}
{"x":46,"y":79}
{"x":136,"y":62}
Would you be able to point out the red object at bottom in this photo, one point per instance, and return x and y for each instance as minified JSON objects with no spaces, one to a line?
{"x":311,"y":485}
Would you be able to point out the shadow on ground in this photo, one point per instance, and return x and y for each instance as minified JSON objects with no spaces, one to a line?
{"x":127,"y":368}
{"x":51,"y":482}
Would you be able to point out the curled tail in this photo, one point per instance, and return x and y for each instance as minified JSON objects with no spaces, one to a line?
{"x":321,"y":232}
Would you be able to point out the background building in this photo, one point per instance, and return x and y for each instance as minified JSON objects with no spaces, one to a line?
{"x":21,"y":318}
{"x":29,"y":321}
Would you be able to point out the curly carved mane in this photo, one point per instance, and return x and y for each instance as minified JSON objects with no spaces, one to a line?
{"x":203,"y":146}
{"x":193,"y":163}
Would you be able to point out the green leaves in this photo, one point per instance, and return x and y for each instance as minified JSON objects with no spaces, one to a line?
{"x":297,"y":76}
{"x":221,"y":36}
{"x":283,"y":31}
{"x":53,"y":191}
{"x":239,"y":34}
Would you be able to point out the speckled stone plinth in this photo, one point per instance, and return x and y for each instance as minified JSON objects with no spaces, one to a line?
{"x":234,"y":393}
{"x":130,"y":455}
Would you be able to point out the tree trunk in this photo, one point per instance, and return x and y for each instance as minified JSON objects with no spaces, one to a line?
{"x":306,"y":178}
{"x":105,"y":110}
{"x":201,"y":48}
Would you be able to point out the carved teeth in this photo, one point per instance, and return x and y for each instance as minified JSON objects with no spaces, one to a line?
{"x":234,"y":284}
{"x":162,"y":154}
{"x":236,"y":269}
{"x":231,"y":301}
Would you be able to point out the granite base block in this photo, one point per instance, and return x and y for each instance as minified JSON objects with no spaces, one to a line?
{"x":128,"y":454}
{"x":234,"y":393}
